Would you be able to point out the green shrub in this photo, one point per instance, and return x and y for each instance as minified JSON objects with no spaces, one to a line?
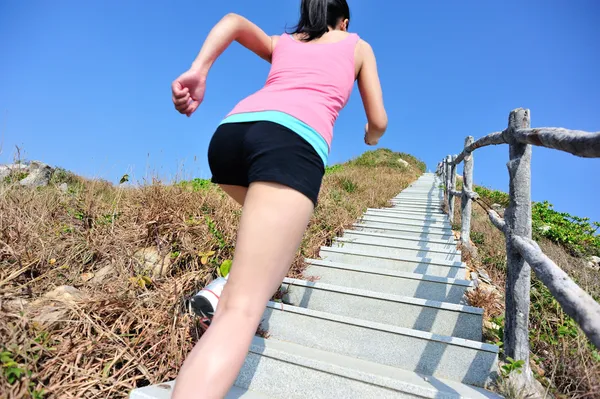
{"x":493,"y":196}
{"x":196,"y":185}
{"x":333,"y":169}
{"x":576,"y":234}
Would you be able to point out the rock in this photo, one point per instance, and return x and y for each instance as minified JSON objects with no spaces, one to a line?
{"x":483,"y":276}
{"x":39,"y":175}
{"x":103,"y":274}
{"x":63,"y":187}
{"x":152,"y":263}
{"x":475,"y":278}
{"x":592,"y":265}
{"x":403,"y":162}
{"x":14,"y":305}
{"x":595,"y":259}
{"x":50,"y":316}
{"x":65,"y":293}
{"x":85,"y":277}
{"x":7,"y":170}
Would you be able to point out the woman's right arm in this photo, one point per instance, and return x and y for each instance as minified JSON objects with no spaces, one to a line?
{"x":371,"y":94}
{"x":188,"y":89}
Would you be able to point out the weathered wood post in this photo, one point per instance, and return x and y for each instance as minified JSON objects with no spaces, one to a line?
{"x":447,"y":180}
{"x":451,"y":201}
{"x":466,"y":205}
{"x":518,"y":222}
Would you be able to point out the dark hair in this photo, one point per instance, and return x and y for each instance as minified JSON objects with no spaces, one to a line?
{"x":316,"y":16}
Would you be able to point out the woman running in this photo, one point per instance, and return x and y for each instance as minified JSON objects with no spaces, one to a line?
{"x":269,"y":154}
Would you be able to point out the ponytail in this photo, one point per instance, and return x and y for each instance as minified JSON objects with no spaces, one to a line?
{"x":316,"y":16}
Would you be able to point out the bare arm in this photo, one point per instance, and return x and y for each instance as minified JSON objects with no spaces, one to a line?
{"x":232,"y":27}
{"x":371,"y":93}
{"x":188,"y":89}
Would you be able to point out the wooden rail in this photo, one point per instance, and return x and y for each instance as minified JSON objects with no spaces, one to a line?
{"x":521,"y":251}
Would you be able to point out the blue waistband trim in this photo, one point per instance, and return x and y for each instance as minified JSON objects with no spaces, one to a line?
{"x":297,"y":126}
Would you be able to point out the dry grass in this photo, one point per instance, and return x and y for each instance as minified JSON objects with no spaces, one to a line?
{"x":563,"y":361}
{"x":121,"y":335}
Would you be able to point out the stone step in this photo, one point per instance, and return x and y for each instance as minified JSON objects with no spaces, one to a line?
{"x":418,"y":205}
{"x":411,"y":211}
{"x":410,"y":264}
{"x":418,"y":202}
{"x":413,"y":231}
{"x":389,"y":281}
{"x":164,"y":391}
{"x":291,"y":371}
{"x":409,"y":216}
{"x":420,"y":247}
{"x":386,"y":250}
{"x":457,"y":359}
{"x":441,"y":226}
{"x":419,"y":314}
{"x":385,"y":238}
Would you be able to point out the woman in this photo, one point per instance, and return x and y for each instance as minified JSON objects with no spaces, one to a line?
{"x":269,"y":155}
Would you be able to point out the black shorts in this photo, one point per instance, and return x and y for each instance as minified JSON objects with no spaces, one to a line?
{"x":243,"y":153}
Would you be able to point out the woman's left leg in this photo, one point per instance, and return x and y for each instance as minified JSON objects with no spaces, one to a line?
{"x":273,"y":222}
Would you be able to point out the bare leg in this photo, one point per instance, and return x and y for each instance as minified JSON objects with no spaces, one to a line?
{"x":238,"y":193}
{"x":273,"y":222}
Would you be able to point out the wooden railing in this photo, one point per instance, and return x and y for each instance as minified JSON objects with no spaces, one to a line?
{"x":522,"y":252}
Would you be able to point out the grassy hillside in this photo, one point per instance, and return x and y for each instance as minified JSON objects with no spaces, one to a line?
{"x":562,"y":357}
{"x":132,"y":256}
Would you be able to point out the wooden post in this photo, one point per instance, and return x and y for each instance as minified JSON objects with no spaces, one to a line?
{"x":452,"y":188}
{"x":466,"y":205}
{"x":447,"y":180}
{"x":518,"y":222}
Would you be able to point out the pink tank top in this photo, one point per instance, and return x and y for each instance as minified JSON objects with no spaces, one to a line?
{"x":310,"y":81}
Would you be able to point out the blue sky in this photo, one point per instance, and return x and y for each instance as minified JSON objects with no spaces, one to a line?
{"x":86,"y":84}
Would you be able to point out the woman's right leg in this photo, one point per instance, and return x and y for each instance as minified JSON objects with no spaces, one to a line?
{"x":273,"y":222}
{"x":238,"y":193}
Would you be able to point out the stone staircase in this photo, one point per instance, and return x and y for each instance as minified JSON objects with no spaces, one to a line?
{"x":385,"y":317}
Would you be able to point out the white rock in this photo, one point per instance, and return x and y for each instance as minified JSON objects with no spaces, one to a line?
{"x":14,"y":305}
{"x":63,"y":187}
{"x":103,"y":274}
{"x":65,"y":293}
{"x":403,"y":162}
{"x":595,"y":259}
{"x":39,"y":175}
{"x":150,"y":261}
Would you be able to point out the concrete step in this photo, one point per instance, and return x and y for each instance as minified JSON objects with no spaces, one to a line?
{"x":419,"y":314}
{"x":417,"y":205}
{"x":394,"y":251}
{"x":410,"y":216}
{"x":389,"y":281}
{"x":419,"y":198}
{"x":164,"y":391}
{"x":383,"y":238}
{"x":389,"y":228}
{"x":411,"y":211}
{"x":440,"y":226}
{"x":288,"y":370}
{"x":416,"y":248}
{"x":410,"y":264}
{"x":417,"y":202}
{"x":457,"y":359}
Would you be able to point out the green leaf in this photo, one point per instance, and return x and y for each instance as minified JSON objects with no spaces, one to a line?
{"x":225,"y":268}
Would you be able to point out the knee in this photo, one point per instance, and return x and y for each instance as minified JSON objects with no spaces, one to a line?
{"x":241,"y":308}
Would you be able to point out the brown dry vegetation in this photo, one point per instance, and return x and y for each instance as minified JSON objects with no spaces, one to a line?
{"x":126,"y":332}
{"x":562,"y":357}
